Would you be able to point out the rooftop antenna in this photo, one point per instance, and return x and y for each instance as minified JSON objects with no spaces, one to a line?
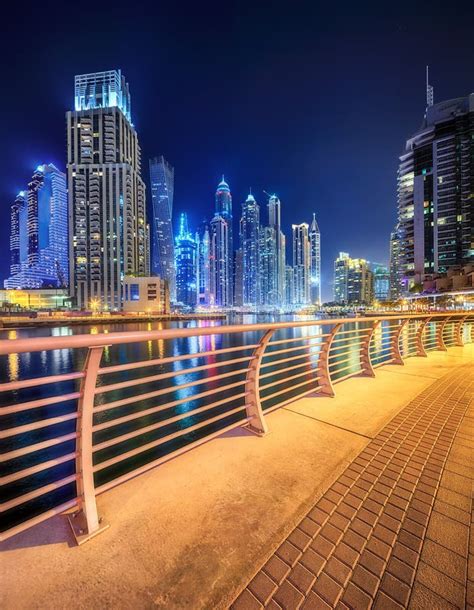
{"x":429,"y":90}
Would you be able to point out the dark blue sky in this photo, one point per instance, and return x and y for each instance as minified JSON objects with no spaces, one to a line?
{"x":310,"y":100}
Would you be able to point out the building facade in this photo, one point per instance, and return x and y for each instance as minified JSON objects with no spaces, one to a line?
{"x":107,"y":216}
{"x":381,"y":276}
{"x":186,"y":252}
{"x":249,"y":273}
{"x":315,"y":262}
{"x":269,"y":296}
{"x":435,"y":193}
{"x":219,"y":263}
{"x":39,"y":232}
{"x":301,"y":263}
{"x":353,"y":281}
{"x":162,"y":193}
{"x":395,"y":267}
{"x":274,"y":221}
{"x":146,"y":295}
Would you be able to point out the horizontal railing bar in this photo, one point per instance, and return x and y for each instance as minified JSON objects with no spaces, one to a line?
{"x":145,"y":363}
{"x":168,"y":405}
{"x":353,"y":351}
{"x":347,"y":376}
{"x":273,"y":383}
{"x":345,"y":368}
{"x":37,"y":425}
{"x":57,"y":510}
{"x":26,"y":472}
{"x":10,"y":455}
{"x":380,"y":349}
{"x":285,"y":370}
{"x":41,"y":491}
{"x":157,"y":425}
{"x":32,"y":383}
{"x":352,"y":331}
{"x":285,"y":403}
{"x":39,"y":344}
{"x":151,"y":378}
{"x":348,"y":340}
{"x":331,"y":365}
{"x":164,"y":439}
{"x":169,"y":389}
{"x":298,"y":385}
{"x":42,"y":402}
{"x":290,"y":349}
{"x":290,"y":359}
{"x":279,"y":341}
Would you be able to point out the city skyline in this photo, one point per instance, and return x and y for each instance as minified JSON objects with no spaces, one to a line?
{"x":311,"y":130}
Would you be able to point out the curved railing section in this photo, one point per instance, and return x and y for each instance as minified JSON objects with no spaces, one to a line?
{"x":102,"y":414}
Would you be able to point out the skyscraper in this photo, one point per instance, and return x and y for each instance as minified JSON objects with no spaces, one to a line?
{"x":268,"y":268}
{"x":249,"y":243}
{"x":224,"y":211}
{"x":274,"y":221}
{"x":301,"y":263}
{"x":107,"y":229}
{"x":39,"y":232}
{"x":203,"y":273}
{"x":162,"y":191}
{"x":186,"y":264}
{"x":315,"y":272}
{"x":353,"y":280}
{"x":435,"y":192}
{"x":381,"y":282}
{"x":394,"y":265}
{"x":219,"y":263}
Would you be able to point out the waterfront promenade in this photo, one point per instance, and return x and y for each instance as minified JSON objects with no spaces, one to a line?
{"x":216,"y":527}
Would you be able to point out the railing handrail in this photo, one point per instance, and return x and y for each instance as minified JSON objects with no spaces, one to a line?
{"x":39,"y":344}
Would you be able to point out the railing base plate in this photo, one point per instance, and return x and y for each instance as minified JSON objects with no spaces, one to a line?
{"x":77,"y":521}
{"x":255,"y":431}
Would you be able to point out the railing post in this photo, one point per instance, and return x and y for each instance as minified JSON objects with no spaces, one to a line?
{"x":365,"y":360}
{"x":395,"y":344}
{"x":420,"y":347}
{"x":440,"y":344}
{"x":256,"y":419}
{"x":324,"y":376}
{"x":86,"y":523}
{"x":458,"y":332}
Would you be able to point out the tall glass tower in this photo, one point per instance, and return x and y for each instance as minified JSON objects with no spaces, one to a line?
{"x":220,"y":263}
{"x":108,"y":234}
{"x":186,"y":264}
{"x":301,"y":263}
{"x":274,"y":221}
{"x":39,"y":232}
{"x":224,"y":211}
{"x":315,"y":272}
{"x":162,"y":191}
{"x":249,"y":243}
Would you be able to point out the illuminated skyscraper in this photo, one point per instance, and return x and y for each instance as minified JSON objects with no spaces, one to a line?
{"x":162,"y":190}
{"x":249,"y":242}
{"x":353,"y":281}
{"x":220,"y":263}
{"x":315,"y":272}
{"x":341,"y":270}
{"x":39,"y":232}
{"x":395,"y":288}
{"x":268,"y":268}
{"x":107,"y":231}
{"x":274,"y":221}
{"x":224,"y":211}
{"x":381,"y":279}
{"x":186,"y":265}
{"x":301,"y":263}
{"x":435,"y":192}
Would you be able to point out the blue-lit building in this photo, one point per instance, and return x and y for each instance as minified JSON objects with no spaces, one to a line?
{"x":39,"y":233}
{"x":381,"y":281}
{"x":220,"y":263}
{"x":186,"y":264}
{"x":249,"y":244}
{"x":162,"y":190}
{"x":315,"y":263}
{"x":224,"y":211}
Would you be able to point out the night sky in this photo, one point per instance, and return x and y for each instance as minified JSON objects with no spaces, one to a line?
{"x":310,"y":100}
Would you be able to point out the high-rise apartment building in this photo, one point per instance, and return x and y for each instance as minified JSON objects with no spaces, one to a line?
{"x":39,"y":232}
{"x":436,"y":192}
{"x":395,"y":267}
{"x":220,"y":263}
{"x":315,"y":262}
{"x":203,"y":274}
{"x":223,"y":209}
{"x":353,"y":280}
{"x":107,"y":216}
{"x":250,"y":252}
{"x":274,"y":221}
{"x":186,"y":264}
{"x":381,"y":279}
{"x":301,"y":263}
{"x":162,"y":191}
{"x":269,"y":296}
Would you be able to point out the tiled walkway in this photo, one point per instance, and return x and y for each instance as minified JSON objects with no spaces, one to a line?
{"x":396,"y":529}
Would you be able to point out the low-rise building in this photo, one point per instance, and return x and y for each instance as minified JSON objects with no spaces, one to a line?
{"x":146,"y":294}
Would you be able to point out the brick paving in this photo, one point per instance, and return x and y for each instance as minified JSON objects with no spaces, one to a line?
{"x":396,"y":530}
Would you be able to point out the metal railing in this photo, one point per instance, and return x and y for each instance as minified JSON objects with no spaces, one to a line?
{"x":67,"y":437}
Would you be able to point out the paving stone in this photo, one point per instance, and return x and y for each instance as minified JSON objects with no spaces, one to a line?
{"x":301,"y":578}
{"x":445,"y":560}
{"x":288,"y":553}
{"x":356,"y":598}
{"x":395,"y":588}
{"x":384,"y":602}
{"x":262,"y":587}
{"x":314,"y":602}
{"x":365,"y":580}
{"x":322,"y":546}
{"x":328,"y":589}
{"x":337,"y":570}
{"x":276,"y":569}
{"x":354,"y":540}
{"x":379,"y":548}
{"x":246,"y":601}
{"x":372,"y":562}
{"x":288,"y":596}
{"x":299,"y":539}
{"x":401,"y":570}
{"x":331,"y":533}
{"x":346,"y":554}
{"x":346,"y":511}
{"x":456,"y":482}
{"x":318,"y":516}
{"x":405,"y":554}
{"x":326,"y":505}
{"x":448,"y":532}
{"x":312,"y":561}
{"x":309,"y":527}
{"x":441,"y":584}
{"x":384,"y":534}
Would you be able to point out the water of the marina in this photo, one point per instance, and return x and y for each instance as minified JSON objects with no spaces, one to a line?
{"x":21,"y":366}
